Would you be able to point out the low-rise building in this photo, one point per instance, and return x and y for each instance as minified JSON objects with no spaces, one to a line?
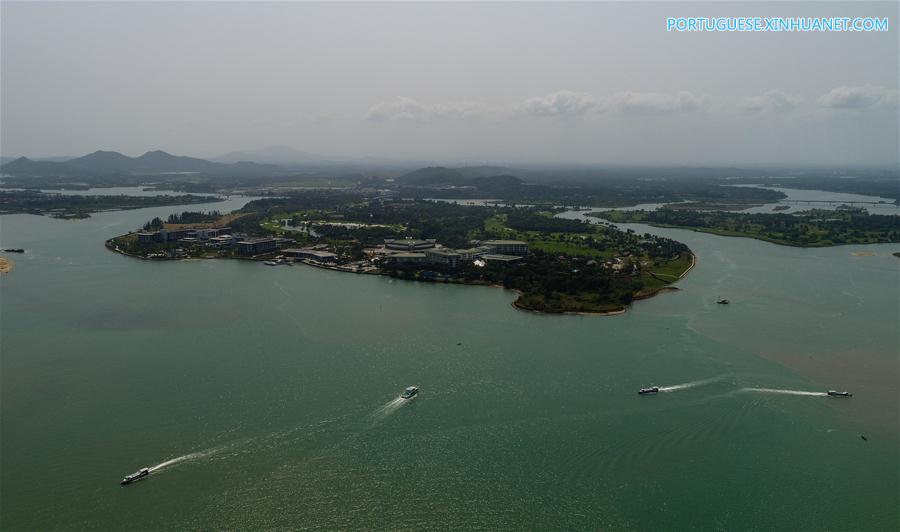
{"x":491,"y":257}
{"x":470,"y":254}
{"x":173,"y":235}
{"x":255,"y":246}
{"x":148,"y":236}
{"x":313,"y":254}
{"x":222,"y":240}
{"x":408,"y":244}
{"x":507,"y":247}
{"x":207,"y":233}
{"x":407,"y":257}
{"x":447,"y":257}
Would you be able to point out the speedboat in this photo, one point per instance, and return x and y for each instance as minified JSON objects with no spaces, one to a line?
{"x":137,"y":475}
{"x":835,"y":393}
{"x":722,"y":301}
{"x":410,"y":393}
{"x":645,"y":391}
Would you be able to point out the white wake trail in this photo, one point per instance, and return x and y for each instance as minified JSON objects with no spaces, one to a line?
{"x":184,"y":458}
{"x":692,"y":384}
{"x":785,"y":392}
{"x":388,"y":408}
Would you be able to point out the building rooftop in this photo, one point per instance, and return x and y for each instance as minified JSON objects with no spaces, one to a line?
{"x":444,"y":252}
{"x":407,"y":255}
{"x":256,"y":240}
{"x":501,"y":258}
{"x":506,"y":242}
{"x":408,"y":241}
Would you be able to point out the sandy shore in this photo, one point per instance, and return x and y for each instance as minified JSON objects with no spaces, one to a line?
{"x":6,"y":265}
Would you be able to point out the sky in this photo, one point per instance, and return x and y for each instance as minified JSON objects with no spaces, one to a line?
{"x":448,"y":82}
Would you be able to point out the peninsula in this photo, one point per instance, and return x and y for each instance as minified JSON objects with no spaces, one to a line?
{"x":555,"y":265}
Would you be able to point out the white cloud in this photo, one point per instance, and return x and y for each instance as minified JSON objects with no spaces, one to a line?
{"x":563,"y":103}
{"x":860,"y":97}
{"x":654,"y":103}
{"x":410,"y":110}
{"x":560,"y":103}
{"x":772,"y":101}
{"x":401,"y":108}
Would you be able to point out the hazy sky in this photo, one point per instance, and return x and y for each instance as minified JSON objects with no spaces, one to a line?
{"x":577,"y":82}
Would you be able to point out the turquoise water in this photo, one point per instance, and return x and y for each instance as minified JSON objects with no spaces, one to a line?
{"x":265,"y":397}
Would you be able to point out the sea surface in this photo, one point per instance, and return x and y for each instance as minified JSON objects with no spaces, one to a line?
{"x":265,"y":397}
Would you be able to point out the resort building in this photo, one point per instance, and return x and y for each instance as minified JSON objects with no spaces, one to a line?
{"x":222,"y":240}
{"x":408,"y":244}
{"x":312,"y":254}
{"x":410,"y":257}
{"x":470,"y":254}
{"x":507,"y":247}
{"x":447,"y":257}
{"x":501,"y":258}
{"x":255,"y":246}
{"x":207,"y":233}
{"x":148,"y":237}
{"x":169,"y":235}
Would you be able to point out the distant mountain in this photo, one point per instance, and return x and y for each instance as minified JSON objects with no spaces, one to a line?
{"x":56,"y":159}
{"x":102,"y":163}
{"x":292,"y":158}
{"x":23,"y":166}
{"x":433,"y":175}
{"x":280,"y":155}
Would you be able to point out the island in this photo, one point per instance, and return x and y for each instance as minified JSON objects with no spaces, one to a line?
{"x":555,"y":265}
{"x":812,"y":228}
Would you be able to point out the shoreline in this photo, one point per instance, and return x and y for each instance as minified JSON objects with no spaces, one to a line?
{"x":514,"y":304}
{"x":776,"y":242}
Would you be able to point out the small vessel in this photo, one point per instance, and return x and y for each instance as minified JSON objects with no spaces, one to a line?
{"x":137,"y":475}
{"x":410,"y":393}
{"x":645,"y":391}
{"x":14,"y":250}
{"x":270,"y":263}
{"x":835,"y":393}
{"x":722,"y":301}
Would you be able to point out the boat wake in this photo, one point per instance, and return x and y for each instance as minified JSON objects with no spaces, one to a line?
{"x":692,"y":384}
{"x":388,"y":408}
{"x":184,"y":458}
{"x":785,"y":392}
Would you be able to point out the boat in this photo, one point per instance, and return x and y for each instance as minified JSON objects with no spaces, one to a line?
{"x":14,"y":250}
{"x":645,"y":391}
{"x":270,"y":263}
{"x":722,"y":301}
{"x":410,"y":393}
{"x":137,"y":475}
{"x":835,"y":393}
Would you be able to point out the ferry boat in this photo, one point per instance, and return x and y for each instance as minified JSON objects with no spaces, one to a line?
{"x":137,"y":475}
{"x":835,"y":393}
{"x":645,"y":391}
{"x":410,"y":393}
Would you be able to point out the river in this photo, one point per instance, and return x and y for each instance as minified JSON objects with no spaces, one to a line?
{"x":265,"y":397}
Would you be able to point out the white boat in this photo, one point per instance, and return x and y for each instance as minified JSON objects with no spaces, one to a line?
{"x":410,"y":393}
{"x":137,"y":475}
